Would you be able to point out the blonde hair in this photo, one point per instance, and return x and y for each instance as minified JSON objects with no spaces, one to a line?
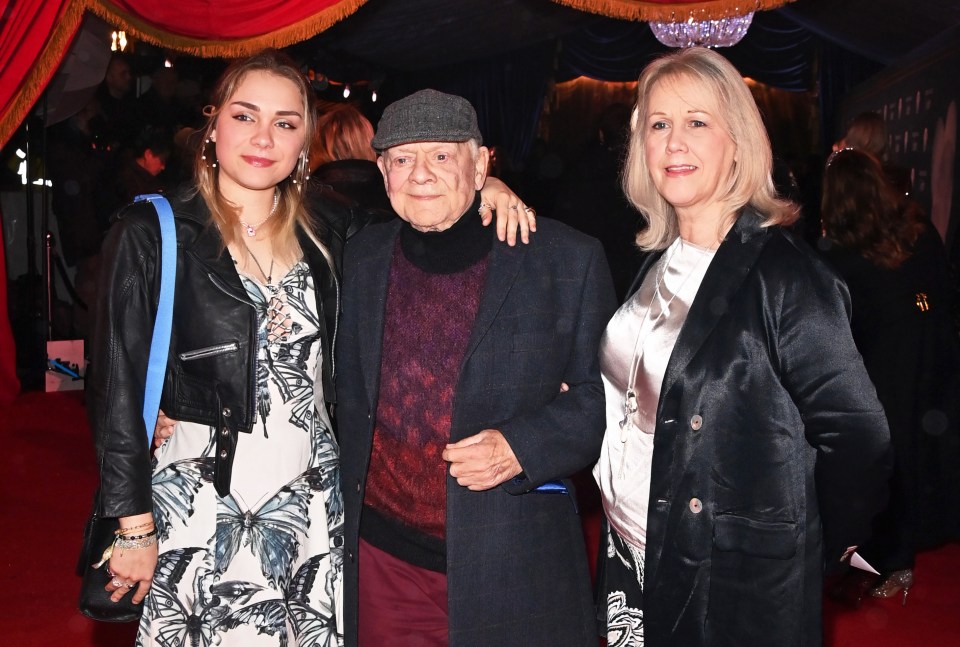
{"x":343,"y":133}
{"x":290,"y":207}
{"x":750,"y":181}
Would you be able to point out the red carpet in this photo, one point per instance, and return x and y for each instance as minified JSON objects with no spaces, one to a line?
{"x":47,"y":481}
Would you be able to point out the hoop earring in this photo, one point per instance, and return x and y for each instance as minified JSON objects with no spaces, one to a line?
{"x":203,"y":153}
{"x":301,"y":173}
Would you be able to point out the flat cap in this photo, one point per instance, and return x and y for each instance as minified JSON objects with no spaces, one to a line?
{"x":427,"y":116}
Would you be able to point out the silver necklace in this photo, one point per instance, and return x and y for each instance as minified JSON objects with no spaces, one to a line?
{"x":252,"y":229}
{"x":266,"y":275}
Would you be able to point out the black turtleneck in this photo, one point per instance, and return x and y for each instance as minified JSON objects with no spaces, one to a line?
{"x":451,"y":250}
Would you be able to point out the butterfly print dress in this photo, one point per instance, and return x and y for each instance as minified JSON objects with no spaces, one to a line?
{"x":261,"y":566}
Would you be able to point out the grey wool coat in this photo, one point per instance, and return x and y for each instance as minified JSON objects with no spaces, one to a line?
{"x":517,"y":569}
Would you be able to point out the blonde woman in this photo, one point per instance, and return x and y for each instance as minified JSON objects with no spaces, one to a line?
{"x":745,"y":446}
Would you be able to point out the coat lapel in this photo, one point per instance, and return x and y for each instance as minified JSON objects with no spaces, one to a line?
{"x":371,"y":299}
{"x":731,"y":265}
{"x":502,"y":271}
{"x":672,"y":451}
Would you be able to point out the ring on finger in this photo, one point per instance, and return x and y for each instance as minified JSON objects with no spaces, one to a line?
{"x":116,"y":582}
{"x":530,"y":210}
{"x":514,"y":207}
{"x":484,"y":205}
{"x":130,"y":585}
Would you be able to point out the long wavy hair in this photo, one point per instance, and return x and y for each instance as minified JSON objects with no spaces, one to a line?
{"x":750,"y":181}
{"x":290,"y":206}
{"x":343,"y":133}
{"x":861,"y":211}
{"x":867,"y":132}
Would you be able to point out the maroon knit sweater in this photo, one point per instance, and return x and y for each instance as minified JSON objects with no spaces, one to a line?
{"x":436,"y":282}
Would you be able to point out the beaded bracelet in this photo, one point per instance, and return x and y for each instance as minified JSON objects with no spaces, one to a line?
{"x":132,"y":544}
{"x":133,"y":537}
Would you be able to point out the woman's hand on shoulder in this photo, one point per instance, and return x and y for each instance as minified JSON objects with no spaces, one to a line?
{"x":512,"y":213}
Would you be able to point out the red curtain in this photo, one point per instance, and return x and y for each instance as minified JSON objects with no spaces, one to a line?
{"x":9,"y":384}
{"x":35,"y":34}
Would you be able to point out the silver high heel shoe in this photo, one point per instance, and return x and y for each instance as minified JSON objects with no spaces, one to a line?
{"x":892,"y":583}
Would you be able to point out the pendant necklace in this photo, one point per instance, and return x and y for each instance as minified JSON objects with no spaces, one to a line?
{"x":252,"y":229}
{"x":630,"y":402}
{"x":267,"y":275}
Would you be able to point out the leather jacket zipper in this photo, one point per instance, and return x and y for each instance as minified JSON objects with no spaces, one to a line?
{"x":209,"y":351}
{"x":254,"y":347}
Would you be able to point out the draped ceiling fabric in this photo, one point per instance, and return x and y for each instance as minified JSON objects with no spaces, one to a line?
{"x":35,"y":34}
{"x":672,"y":10}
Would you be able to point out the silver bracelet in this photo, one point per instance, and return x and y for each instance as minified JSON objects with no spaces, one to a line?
{"x":134,"y":544}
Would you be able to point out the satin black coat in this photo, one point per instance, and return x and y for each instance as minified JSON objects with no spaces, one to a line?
{"x":516,"y":564}
{"x":211,"y":371}
{"x":771,"y":450}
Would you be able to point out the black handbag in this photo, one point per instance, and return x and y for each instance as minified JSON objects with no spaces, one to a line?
{"x":95,"y":601}
{"x":100,"y":532}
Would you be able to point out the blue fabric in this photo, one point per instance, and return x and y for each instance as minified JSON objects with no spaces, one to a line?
{"x":160,"y":345}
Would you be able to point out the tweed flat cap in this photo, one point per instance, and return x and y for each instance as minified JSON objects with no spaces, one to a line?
{"x":427,"y":116}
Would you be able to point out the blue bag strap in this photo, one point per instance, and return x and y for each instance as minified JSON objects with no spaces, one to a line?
{"x":160,"y":345}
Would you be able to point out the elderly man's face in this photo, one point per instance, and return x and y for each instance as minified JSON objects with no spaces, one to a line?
{"x":431,"y":184}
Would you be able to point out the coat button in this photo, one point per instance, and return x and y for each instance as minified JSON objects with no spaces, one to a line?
{"x":358,"y":485}
{"x":696,"y":505}
{"x":696,"y":422}
{"x":226,"y":412}
{"x":350,"y":554}
{"x":224,"y":432}
{"x":223,"y":454}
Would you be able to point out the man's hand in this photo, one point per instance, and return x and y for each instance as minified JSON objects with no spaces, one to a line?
{"x":164,"y":428}
{"x":483,"y":461}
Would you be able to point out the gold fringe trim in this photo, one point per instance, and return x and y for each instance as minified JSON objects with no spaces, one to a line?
{"x":42,"y":70}
{"x":283,"y":37}
{"x":67,"y":24}
{"x":672,"y":12}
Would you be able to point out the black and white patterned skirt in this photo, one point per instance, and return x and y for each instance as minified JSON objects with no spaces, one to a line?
{"x":624,"y":577}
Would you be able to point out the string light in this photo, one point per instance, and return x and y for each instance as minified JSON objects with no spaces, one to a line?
{"x":118,"y":41}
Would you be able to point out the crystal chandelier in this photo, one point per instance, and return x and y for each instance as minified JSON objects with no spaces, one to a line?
{"x":709,"y":33}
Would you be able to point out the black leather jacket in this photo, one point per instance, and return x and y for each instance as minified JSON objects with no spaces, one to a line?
{"x":210,"y":376}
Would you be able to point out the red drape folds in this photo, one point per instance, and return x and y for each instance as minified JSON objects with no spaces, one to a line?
{"x":226,"y":19}
{"x":672,"y":10}
{"x":35,"y":34}
{"x":9,"y":384}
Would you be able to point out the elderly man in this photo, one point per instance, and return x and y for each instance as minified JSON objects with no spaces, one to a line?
{"x":457,"y":427}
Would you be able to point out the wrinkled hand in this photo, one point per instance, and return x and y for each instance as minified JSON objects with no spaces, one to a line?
{"x":483,"y":461}
{"x":497,"y":196}
{"x":164,"y":428}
